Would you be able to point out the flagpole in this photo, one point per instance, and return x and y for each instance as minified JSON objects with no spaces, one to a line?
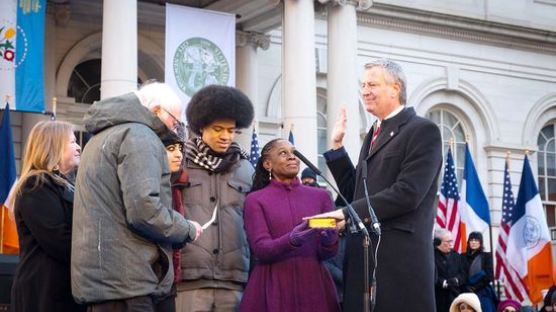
{"x":54,"y":102}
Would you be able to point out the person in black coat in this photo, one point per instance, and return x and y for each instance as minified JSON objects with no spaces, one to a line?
{"x":403,"y":155}
{"x":479,"y":273}
{"x":43,"y":204}
{"x":449,"y":270}
{"x":549,"y":302}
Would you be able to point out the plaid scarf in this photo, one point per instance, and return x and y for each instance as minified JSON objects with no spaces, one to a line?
{"x":201,"y":154}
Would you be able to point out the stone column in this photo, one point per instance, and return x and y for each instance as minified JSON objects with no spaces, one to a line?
{"x":119,"y":48}
{"x":343,"y":72}
{"x":299,"y":78}
{"x":247,"y":44}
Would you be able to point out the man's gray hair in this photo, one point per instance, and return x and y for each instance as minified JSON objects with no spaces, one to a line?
{"x":158,"y":93}
{"x":441,"y":233}
{"x":395,"y":71}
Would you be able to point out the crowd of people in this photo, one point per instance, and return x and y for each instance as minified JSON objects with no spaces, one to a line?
{"x":470,"y":272}
{"x":154,"y":221}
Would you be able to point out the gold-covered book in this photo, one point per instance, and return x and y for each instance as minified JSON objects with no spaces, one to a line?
{"x":322,"y":223}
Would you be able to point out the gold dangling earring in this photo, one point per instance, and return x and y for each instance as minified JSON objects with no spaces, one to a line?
{"x":269,"y":174}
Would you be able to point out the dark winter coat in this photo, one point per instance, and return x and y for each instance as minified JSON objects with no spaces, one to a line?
{"x":449,"y":278}
{"x":477,"y":283}
{"x":42,"y":280}
{"x":402,"y":171}
{"x":478,"y":278}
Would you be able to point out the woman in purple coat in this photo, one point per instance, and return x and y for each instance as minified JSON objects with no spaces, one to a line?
{"x":289,"y":274}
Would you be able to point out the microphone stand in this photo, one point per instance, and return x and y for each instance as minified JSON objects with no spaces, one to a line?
{"x":356,"y":226}
{"x":376,"y":227}
{"x":368,"y":299}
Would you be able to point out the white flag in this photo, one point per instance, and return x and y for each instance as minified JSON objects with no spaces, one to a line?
{"x":200,"y":49}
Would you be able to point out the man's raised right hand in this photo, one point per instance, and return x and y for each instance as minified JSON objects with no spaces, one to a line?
{"x":339,"y":130}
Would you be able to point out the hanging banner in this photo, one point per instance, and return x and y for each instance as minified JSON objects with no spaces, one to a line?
{"x":22,"y":54}
{"x":200,"y":49}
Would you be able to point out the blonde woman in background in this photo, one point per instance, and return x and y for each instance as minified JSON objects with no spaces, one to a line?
{"x":43,"y":205}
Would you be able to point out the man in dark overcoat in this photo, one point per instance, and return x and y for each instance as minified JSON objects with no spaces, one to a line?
{"x":450,"y":272}
{"x":403,"y":156}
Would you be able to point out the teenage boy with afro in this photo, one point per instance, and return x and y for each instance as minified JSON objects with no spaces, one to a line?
{"x":215,"y":268}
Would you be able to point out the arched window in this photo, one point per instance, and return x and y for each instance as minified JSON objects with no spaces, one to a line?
{"x":547,"y":172}
{"x":84,"y":87}
{"x":84,"y":83}
{"x":451,"y":129}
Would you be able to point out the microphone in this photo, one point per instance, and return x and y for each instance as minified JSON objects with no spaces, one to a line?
{"x":351,"y":212}
{"x":374,"y":219}
{"x":307,"y":162}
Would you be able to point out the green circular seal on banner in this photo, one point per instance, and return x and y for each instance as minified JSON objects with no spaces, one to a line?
{"x":199,"y":62}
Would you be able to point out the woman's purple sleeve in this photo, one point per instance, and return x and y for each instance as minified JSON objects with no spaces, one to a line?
{"x":264,"y":247}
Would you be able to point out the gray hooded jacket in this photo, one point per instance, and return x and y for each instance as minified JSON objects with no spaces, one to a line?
{"x":124,"y":225}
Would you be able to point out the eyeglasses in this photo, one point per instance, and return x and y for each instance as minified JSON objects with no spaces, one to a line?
{"x":176,"y":123}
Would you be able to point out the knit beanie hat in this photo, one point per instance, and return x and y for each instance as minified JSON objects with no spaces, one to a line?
{"x":170,"y":138}
{"x":470,"y":298}
{"x":508,"y":303}
{"x":308,"y":173}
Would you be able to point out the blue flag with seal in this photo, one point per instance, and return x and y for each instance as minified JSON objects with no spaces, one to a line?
{"x":529,"y":243}
{"x":22,"y":53}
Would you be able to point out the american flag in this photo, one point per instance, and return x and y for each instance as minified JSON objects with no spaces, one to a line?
{"x":254,"y":155}
{"x":447,"y":215}
{"x":514,"y":286}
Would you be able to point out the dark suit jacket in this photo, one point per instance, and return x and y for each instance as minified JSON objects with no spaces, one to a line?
{"x":402,"y":172}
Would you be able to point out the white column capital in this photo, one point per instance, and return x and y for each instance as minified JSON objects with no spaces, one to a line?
{"x":359,"y":4}
{"x":257,"y":40}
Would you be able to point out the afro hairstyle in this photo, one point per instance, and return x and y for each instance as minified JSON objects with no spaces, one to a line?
{"x":215,"y":102}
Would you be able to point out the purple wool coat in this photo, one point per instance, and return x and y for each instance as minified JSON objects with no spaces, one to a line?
{"x":286,"y":277}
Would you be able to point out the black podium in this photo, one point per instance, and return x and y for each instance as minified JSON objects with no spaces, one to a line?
{"x":7,"y":270}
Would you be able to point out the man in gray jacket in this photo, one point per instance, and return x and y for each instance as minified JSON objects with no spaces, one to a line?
{"x":124,"y":227}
